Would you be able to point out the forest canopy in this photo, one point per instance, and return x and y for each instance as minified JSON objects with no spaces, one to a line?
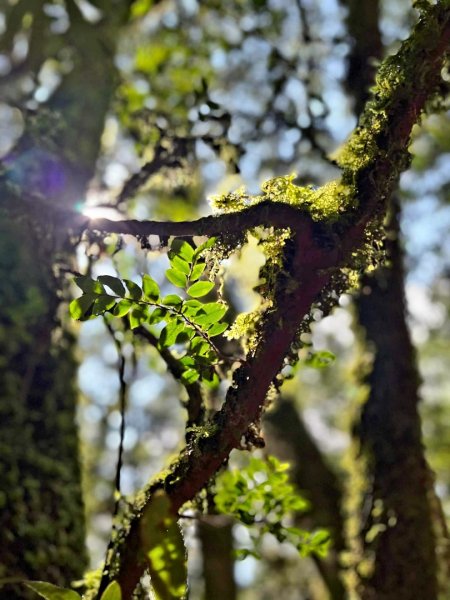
{"x":210,"y":384}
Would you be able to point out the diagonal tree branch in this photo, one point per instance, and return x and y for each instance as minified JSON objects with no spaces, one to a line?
{"x":372,"y":161}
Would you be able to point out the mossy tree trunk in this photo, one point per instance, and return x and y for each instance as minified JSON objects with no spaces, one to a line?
{"x":398,"y":559}
{"x":41,"y":509}
{"x":396,"y":530}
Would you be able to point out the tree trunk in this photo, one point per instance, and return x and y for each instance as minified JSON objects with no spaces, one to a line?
{"x":42,"y":515}
{"x":396,"y":533}
{"x":216,"y":537}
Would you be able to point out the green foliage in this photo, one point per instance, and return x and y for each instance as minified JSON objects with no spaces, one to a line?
{"x":262,"y":498}
{"x":162,"y":542}
{"x":319,"y":359}
{"x":53,"y":592}
{"x":189,"y":323}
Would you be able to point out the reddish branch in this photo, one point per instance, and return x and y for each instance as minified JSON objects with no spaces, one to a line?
{"x":312,"y":268}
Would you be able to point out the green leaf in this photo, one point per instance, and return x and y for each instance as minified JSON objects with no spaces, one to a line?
{"x":200,"y":288}
{"x":217,"y":329}
{"x":171,"y":300}
{"x":158,"y":315}
{"x":182,"y":249}
{"x":197,"y":270}
{"x":170,"y":332}
{"x":214,"y":311}
{"x":52,"y":592}
{"x":114,"y":284}
{"x":133,"y":289}
{"x":163,"y":545}
{"x":102,"y":304}
{"x":190,"y":376}
{"x":123,"y":307}
{"x":179,"y":264}
{"x":176,"y":277}
{"x":208,"y":244}
{"x":150,"y":287}
{"x":137,"y":316}
{"x":89,"y":285}
{"x":112,"y":592}
{"x":320,"y":359}
{"x":79,"y":307}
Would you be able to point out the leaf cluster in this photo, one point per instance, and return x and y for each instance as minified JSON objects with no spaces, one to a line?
{"x":263,"y":499}
{"x":188,"y":322}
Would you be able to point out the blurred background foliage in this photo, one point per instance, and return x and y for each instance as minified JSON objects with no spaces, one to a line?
{"x":207,"y":97}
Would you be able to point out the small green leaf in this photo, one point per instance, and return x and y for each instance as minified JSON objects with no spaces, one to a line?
{"x":208,"y":244}
{"x":176,"y":277}
{"x":122,"y":308}
{"x":102,"y":304}
{"x":179,"y":264}
{"x":197,"y":270}
{"x":150,"y":287}
{"x":52,"y":592}
{"x":320,"y":359}
{"x":89,"y":285}
{"x":158,"y":315}
{"x":217,"y":329}
{"x":137,"y":316}
{"x":171,"y":300}
{"x":133,"y":289}
{"x":214,"y":311}
{"x":112,"y":592}
{"x":190,"y":376}
{"x":79,"y":307}
{"x":162,"y":542}
{"x":182,"y":249}
{"x":200,"y":288}
{"x":170,"y":332}
{"x":114,"y":284}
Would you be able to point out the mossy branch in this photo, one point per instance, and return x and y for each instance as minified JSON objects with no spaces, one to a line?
{"x":372,"y":160}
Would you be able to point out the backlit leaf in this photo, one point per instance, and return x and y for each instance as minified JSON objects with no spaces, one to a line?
{"x":180,"y":264}
{"x":122,"y":308}
{"x":137,"y":316}
{"x":112,"y":592}
{"x":150,"y":287}
{"x":200,"y":288}
{"x":52,"y":592}
{"x":176,"y":277}
{"x":163,"y":545}
{"x":217,"y":329}
{"x":197,"y":270}
{"x":80,"y":306}
{"x":182,"y":249}
{"x":171,"y":300}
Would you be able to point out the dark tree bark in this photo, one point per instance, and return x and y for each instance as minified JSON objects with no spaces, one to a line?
{"x":397,"y":528}
{"x":42,"y":514}
{"x":396,"y":482}
{"x":216,"y":537}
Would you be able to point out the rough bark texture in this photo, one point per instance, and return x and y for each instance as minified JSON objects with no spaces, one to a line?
{"x":41,"y":519}
{"x":397,"y":530}
{"x":371,"y":160}
{"x":396,"y":480}
{"x":288,"y":438}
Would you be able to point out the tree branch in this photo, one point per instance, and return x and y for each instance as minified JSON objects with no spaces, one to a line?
{"x":372,"y":161}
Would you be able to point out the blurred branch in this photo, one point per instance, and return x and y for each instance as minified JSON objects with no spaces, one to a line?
{"x":195,"y":405}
